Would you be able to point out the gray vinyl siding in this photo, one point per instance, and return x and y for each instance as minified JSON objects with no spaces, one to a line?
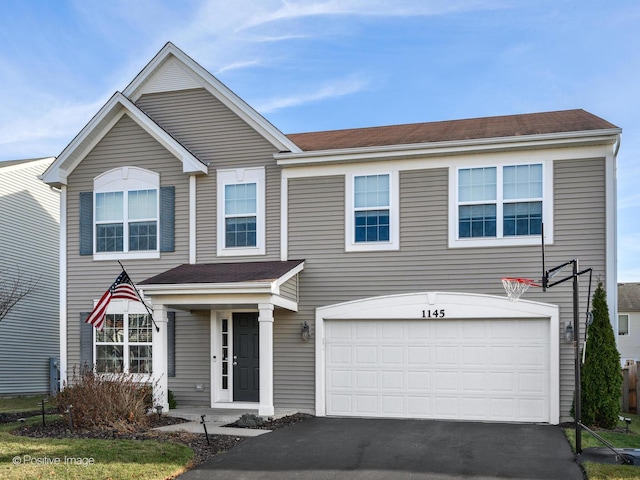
{"x":125,"y":145}
{"x":217,"y":136}
{"x":424,"y":261}
{"x":29,"y":250}
{"x":193,"y":359}
{"x":289,"y":289}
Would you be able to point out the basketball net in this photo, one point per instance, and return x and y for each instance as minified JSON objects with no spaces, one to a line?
{"x":515,"y":287}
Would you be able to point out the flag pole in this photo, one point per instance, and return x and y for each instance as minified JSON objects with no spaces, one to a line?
{"x":140,"y":297}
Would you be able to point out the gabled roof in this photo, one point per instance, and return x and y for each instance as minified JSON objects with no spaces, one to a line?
{"x":454,"y":130}
{"x":628,"y":297}
{"x":163,"y":71}
{"x":117,"y":106}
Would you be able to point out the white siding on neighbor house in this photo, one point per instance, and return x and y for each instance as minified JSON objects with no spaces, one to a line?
{"x":424,"y":261}
{"x":30,"y":226}
{"x":629,"y":345}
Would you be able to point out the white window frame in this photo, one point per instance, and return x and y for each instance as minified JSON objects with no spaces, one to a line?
{"x":500,"y":240}
{"x":628,"y":325}
{"x":234,"y":177}
{"x":126,"y":179}
{"x":394,"y":214}
{"x":125,"y":308}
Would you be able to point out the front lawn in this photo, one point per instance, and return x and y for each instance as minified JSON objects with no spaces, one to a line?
{"x":25,"y":458}
{"x":619,"y":439}
{"x":23,"y":404}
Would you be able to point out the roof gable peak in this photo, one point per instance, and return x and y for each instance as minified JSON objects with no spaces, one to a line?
{"x":172,"y":69}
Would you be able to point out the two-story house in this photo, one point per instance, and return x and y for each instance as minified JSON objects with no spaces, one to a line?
{"x":29,"y":245}
{"x":350,"y":273}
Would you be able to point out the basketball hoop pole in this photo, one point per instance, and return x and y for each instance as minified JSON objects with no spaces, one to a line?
{"x":577,"y":404}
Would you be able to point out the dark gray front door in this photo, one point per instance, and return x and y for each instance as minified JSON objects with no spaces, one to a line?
{"x":246,"y":358}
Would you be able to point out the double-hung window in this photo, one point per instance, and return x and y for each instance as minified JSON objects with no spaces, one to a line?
{"x":126,"y":212}
{"x":502,"y":204}
{"x":241,"y":212}
{"x":125,"y":344}
{"x":372,"y":212}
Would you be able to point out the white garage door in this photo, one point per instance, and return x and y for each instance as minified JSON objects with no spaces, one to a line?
{"x":486,"y":369}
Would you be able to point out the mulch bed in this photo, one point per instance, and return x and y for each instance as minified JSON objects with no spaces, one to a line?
{"x":203,"y":450}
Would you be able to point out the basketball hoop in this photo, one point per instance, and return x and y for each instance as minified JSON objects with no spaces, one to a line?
{"x":515,"y":287}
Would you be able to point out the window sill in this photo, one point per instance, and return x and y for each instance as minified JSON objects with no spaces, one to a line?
{"x":240,"y":252}
{"x":371,"y":247}
{"x":497,"y":242}
{"x":111,"y":256}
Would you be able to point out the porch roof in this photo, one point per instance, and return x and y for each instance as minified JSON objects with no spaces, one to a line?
{"x":224,"y":273}
{"x":226,"y":285}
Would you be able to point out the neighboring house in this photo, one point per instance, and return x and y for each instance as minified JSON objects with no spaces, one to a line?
{"x":629,"y":322}
{"x":29,"y":249}
{"x":349,"y":273}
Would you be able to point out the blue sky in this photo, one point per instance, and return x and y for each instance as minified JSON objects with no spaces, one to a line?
{"x":326,"y":64}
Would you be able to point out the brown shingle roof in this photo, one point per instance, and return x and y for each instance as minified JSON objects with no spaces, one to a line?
{"x":629,"y":297}
{"x":223,"y":273}
{"x":467,"y":129}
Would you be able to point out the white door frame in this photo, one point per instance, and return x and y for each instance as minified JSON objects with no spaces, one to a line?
{"x":411,"y":306}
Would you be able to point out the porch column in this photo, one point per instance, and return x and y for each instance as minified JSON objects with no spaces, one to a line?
{"x":265,"y":322}
{"x":159,"y":357}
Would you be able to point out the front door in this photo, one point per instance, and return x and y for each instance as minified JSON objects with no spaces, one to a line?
{"x":246,"y":358}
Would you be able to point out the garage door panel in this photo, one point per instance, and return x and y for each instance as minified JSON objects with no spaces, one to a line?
{"x":446,"y":356}
{"x":393,"y":355}
{"x":448,"y":369}
{"x":367,"y":355}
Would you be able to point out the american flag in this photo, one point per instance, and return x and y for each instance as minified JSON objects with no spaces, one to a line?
{"x":121,"y":288}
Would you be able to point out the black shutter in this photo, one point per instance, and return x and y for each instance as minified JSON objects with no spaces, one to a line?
{"x":86,"y":223}
{"x":171,"y":344}
{"x":86,"y":341}
{"x":167,"y":219}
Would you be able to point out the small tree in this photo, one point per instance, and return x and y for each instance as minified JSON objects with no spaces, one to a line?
{"x":601,"y":372}
{"x":13,"y":288}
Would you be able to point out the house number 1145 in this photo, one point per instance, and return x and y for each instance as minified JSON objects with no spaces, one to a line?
{"x":433,"y":313}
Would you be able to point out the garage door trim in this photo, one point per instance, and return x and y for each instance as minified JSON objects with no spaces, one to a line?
{"x":426,"y":305}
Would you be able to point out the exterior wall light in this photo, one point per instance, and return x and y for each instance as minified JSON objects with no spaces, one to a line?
{"x":305,"y":334}
{"x":568,"y":333}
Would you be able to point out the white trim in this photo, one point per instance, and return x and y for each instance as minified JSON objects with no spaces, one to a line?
{"x":611,"y":246}
{"x":265,"y":339}
{"x":454,"y":147}
{"x":193,"y":199}
{"x":125,"y":180}
{"x":63,"y":285}
{"x":242,"y":176}
{"x":500,"y":240}
{"x":350,"y":244}
{"x":458,"y":306}
{"x":58,"y":172}
{"x":284,"y":218}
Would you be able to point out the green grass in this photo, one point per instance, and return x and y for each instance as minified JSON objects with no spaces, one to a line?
{"x":24,"y":404}
{"x":599,"y":471}
{"x":23,"y":458}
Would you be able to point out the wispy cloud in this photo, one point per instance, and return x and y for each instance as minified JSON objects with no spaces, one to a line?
{"x":338,"y":88}
{"x":289,"y":10}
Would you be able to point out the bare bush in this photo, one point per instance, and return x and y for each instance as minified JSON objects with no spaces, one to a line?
{"x":116,"y":402}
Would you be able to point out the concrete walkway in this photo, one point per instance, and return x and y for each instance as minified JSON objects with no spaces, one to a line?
{"x":215,"y":419}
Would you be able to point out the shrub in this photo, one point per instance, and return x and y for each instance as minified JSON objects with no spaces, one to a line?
{"x":171,"y":399}
{"x":116,"y":402}
{"x":601,"y":374}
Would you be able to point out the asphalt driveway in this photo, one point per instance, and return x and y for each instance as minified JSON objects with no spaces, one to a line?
{"x":339,"y":448}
